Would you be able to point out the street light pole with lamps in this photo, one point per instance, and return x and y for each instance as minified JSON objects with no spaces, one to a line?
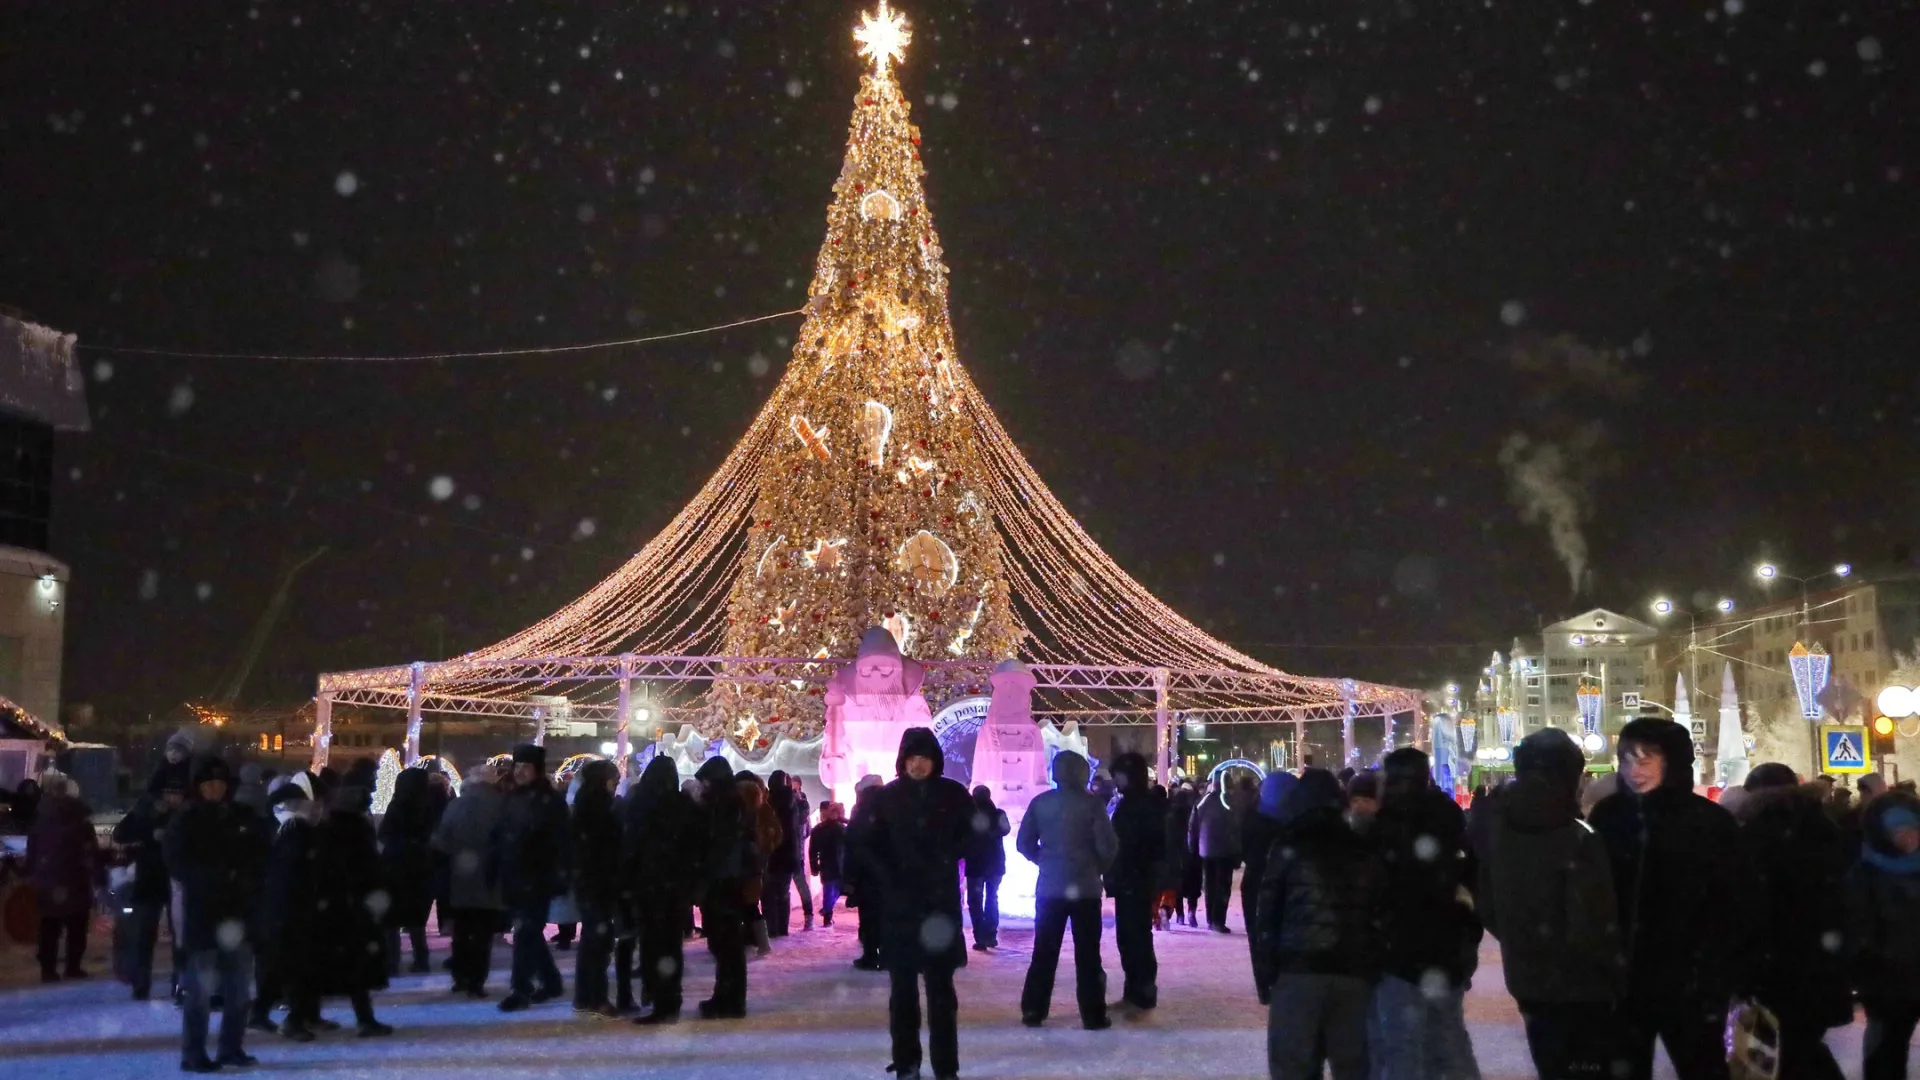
{"x":1768,"y":573}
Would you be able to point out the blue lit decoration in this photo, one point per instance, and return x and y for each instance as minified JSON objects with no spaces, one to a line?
{"x":1469,"y":737}
{"x":1509,"y":727}
{"x":1589,"y":699}
{"x":1811,"y":670}
{"x":642,"y":758}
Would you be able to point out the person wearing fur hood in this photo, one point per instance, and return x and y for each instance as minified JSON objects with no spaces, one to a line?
{"x":1883,"y":930}
{"x":1800,"y":856}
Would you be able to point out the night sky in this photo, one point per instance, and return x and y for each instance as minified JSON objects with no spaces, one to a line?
{"x":1263,"y":289}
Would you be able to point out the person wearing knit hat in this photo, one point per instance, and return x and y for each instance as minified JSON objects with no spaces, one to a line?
{"x":1546,"y":893}
{"x":1682,"y":886}
{"x":1883,"y":938}
{"x":215,"y":851}
{"x":534,"y":867}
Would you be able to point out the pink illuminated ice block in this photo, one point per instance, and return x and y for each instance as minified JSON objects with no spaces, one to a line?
{"x":870,"y":702}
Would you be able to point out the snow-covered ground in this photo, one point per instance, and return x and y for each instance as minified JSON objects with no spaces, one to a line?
{"x":811,"y":1017}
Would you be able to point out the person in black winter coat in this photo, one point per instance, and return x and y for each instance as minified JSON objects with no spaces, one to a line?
{"x":531,"y":844}
{"x":663,"y":842}
{"x":1418,"y":1024}
{"x":827,"y":857}
{"x":349,"y":928}
{"x":911,"y":856}
{"x":1257,"y":836}
{"x":1546,"y":892}
{"x":597,"y":885}
{"x":215,"y":851}
{"x":1187,"y":872}
{"x":407,"y":856}
{"x":862,"y":893}
{"x":1320,"y":915}
{"x":1883,"y":931}
{"x":1800,"y":856}
{"x":65,"y":868}
{"x":284,"y":960}
{"x":776,"y":886}
{"x":728,"y":862}
{"x":1683,"y":887}
{"x":141,"y":834}
{"x":1140,"y":823}
{"x":986,"y":858}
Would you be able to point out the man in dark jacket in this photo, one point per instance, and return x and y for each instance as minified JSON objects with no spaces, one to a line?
{"x":349,"y":933}
{"x":1682,"y":887}
{"x":986,"y":864}
{"x":1546,"y":892}
{"x":142,"y":834}
{"x":1320,"y":918}
{"x":1418,"y":1026}
{"x":1067,"y":833}
{"x":727,"y":864}
{"x":912,"y":851}
{"x":1186,"y":875}
{"x":1883,"y":931}
{"x":663,"y":831}
{"x":1140,"y":826}
{"x":532,"y":847}
{"x":1800,"y":856}
{"x":597,"y":885}
{"x":407,"y":858}
{"x":1214,"y":833}
{"x":864,"y":895}
{"x":827,"y":857}
{"x":215,"y":851}
{"x":776,"y":886}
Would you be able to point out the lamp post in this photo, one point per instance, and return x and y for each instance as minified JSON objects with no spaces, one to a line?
{"x":1809,"y":666}
{"x":1664,"y":608}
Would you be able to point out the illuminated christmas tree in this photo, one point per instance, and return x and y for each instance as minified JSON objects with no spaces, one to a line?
{"x":867,"y":513}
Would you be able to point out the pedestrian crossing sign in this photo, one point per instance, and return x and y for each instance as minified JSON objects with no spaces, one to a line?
{"x":1844,"y":749}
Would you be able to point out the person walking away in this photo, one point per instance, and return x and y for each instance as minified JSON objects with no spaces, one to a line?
{"x":1683,"y":887}
{"x":530,"y":845}
{"x":986,"y":857}
{"x":465,"y":838}
{"x":1133,"y":879}
{"x":284,"y":924}
{"x":597,"y":846}
{"x":1883,"y":931}
{"x":406,"y":856}
{"x":142,"y":834}
{"x":1546,"y":892}
{"x":65,"y":867}
{"x":803,"y":830}
{"x":349,"y":927}
{"x":215,"y":851}
{"x":728,"y":880}
{"x":664,"y":834}
{"x":1320,"y":928}
{"x":869,"y":900}
{"x":1215,"y":834}
{"x":1188,"y":872}
{"x":1257,"y":835}
{"x":1800,"y":857}
{"x":827,"y":857}
{"x":783,"y":861}
{"x":1417,"y":1027}
{"x":918,"y":835}
{"x":1066,"y":832}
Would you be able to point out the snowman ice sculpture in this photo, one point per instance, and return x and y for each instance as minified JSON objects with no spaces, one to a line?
{"x":870,"y":702}
{"x":1008,"y":755}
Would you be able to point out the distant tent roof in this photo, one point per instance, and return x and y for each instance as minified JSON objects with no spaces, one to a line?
{"x":39,"y":379}
{"x":18,"y":723}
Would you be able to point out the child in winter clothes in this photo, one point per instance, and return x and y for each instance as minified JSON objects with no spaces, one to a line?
{"x":827,"y":857}
{"x":1883,"y":906}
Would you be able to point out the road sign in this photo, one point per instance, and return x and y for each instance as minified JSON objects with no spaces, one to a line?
{"x":1844,"y":749}
{"x":1630,"y":702}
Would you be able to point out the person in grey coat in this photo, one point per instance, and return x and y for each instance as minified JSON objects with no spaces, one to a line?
{"x":465,"y":837}
{"x":1067,"y":834}
{"x":1214,"y":833}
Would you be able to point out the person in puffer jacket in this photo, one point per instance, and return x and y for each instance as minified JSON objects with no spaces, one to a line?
{"x":1883,"y":930}
{"x":1546,"y":892}
{"x":1320,"y":916}
{"x":1067,"y":834}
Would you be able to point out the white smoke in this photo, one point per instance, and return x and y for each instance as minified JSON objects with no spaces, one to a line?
{"x":1541,"y":486}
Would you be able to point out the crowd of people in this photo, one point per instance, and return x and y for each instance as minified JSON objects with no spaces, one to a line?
{"x":1639,"y":917}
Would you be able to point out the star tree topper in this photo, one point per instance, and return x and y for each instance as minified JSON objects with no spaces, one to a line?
{"x":883,"y":35}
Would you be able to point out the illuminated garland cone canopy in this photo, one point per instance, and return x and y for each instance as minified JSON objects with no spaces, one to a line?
{"x":876,"y":488}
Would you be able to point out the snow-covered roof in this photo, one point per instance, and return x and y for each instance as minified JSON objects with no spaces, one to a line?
{"x":39,"y":379}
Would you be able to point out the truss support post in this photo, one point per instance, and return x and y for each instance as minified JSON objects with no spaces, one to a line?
{"x":539,"y":725}
{"x":1162,"y":727}
{"x":322,"y":730}
{"x":416,"y":682}
{"x":1299,"y":745}
{"x":624,"y":714}
{"x":1349,"y":753}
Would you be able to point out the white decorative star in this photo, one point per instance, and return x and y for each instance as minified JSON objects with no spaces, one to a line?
{"x":883,"y":35}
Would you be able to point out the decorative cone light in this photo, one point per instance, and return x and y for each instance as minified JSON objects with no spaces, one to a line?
{"x":1469,"y":736}
{"x":1811,"y":670}
{"x":1732,"y":752}
{"x":1589,"y":699}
